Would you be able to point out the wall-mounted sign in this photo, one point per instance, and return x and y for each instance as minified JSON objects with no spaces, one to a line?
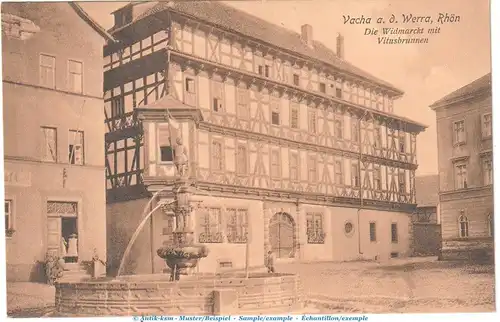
{"x":17,"y":178}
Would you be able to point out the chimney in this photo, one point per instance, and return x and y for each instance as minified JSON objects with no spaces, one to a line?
{"x":340,"y":46}
{"x":307,"y":35}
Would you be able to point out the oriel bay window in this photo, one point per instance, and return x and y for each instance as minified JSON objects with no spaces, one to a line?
{"x":314,"y":227}
{"x":165,"y":146}
{"x":210,"y":226}
{"x":237,"y":226}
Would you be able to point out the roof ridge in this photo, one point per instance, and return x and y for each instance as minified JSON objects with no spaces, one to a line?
{"x":457,"y":95}
{"x":94,"y":24}
{"x":321,"y":53}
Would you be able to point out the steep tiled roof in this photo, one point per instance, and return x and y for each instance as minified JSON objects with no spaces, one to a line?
{"x":427,"y":189}
{"x":230,"y":18}
{"x":465,"y":92}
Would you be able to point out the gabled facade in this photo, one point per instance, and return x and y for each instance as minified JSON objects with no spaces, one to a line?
{"x":52,"y":103}
{"x":291,"y":148}
{"x":465,"y":160}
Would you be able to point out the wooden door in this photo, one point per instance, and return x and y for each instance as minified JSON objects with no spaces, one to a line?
{"x":282,"y":235}
{"x":54,"y":235}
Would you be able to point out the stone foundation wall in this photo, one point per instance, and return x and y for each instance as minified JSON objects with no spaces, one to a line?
{"x":479,"y":249}
{"x":258,"y":294}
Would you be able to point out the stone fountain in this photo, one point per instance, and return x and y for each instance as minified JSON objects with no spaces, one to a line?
{"x":163,"y":294}
{"x":183,"y":253}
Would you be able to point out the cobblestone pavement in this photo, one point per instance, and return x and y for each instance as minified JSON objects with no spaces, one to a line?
{"x":417,"y":285}
{"x":29,"y":299}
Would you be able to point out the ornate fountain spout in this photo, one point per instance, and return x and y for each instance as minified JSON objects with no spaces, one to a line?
{"x":183,"y":253}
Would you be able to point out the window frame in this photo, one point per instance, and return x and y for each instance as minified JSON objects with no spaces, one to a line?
{"x":394,"y":233}
{"x":275,"y":173}
{"x":315,"y":233}
{"x":485,"y":170}
{"x":274,"y":108}
{"x":10,"y":229}
{"x":72,"y":135}
{"x":160,"y":146}
{"x":205,"y":234}
{"x":40,"y":67}
{"x":187,"y":80}
{"x":338,"y":172}
{"x":373,"y":233}
{"x":355,"y":175}
{"x":312,"y":161}
{"x":240,"y":237}
{"x":241,"y":170}
{"x":69,"y":74}
{"x":463,"y":232}
{"x":297,"y":166}
{"x":294,"y":108}
{"x":456,"y":137}
{"x":463,"y":184}
{"x":243,"y":106}
{"x":313,"y":122}
{"x":221,"y":167}
{"x":45,"y":145}
{"x":489,"y":129}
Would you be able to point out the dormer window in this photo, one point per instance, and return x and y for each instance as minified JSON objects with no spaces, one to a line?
{"x":123,"y":17}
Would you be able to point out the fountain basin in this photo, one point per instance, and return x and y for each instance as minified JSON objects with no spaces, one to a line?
{"x":156,"y":295}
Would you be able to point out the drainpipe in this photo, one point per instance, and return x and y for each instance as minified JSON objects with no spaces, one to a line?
{"x":360,"y":184}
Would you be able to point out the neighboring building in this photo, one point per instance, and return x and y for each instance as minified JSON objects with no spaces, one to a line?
{"x":464,"y":130}
{"x":286,"y":140}
{"x":426,"y":228}
{"x":427,"y":194}
{"x":52,"y":103}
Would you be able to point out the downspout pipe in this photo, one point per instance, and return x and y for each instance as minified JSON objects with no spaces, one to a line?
{"x":361,"y":182}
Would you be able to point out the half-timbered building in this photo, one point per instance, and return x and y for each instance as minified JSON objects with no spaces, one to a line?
{"x":52,"y":112}
{"x":291,"y":148}
{"x":465,"y":160}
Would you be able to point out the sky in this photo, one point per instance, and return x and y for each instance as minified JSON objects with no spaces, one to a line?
{"x":454,"y":57}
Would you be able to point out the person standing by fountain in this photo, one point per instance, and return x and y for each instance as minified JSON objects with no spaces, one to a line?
{"x":270,"y":261}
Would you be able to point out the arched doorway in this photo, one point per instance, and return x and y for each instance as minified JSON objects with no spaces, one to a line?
{"x":282,"y":235}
